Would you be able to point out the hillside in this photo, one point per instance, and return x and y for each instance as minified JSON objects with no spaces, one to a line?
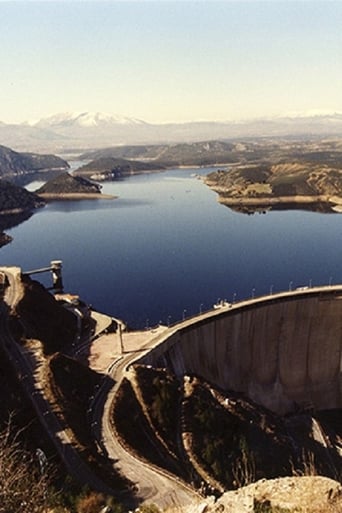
{"x":112,"y":167}
{"x":13,"y":163}
{"x":14,"y":199}
{"x":280,"y":184}
{"x":189,"y":427}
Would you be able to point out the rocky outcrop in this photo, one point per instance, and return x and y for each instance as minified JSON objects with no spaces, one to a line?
{"x":309,"y":494}
{"x":43,"y":318}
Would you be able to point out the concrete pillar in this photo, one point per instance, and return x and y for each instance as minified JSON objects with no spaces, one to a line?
{"x":56,"y":270}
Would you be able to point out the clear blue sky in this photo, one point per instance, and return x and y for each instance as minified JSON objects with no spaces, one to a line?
{"x":170,"y":60}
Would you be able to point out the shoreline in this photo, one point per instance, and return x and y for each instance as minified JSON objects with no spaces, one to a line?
{"x":75,"y":196}
{"x":264,"y":201}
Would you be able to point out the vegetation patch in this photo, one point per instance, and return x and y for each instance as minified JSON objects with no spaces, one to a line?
{"x":161,"y":394}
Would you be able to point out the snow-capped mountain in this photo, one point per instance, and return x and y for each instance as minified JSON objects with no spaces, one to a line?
{"x":86,"y":130}
{"x":86,"y":120}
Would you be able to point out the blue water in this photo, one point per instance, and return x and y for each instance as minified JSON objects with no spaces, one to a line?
{"x":166,"y":248}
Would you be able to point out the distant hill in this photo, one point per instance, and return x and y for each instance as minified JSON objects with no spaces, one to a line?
{"x":166,"y":155}
{"x":112,"y":167}
{"x":67,"y":131}
{"x":309,"y":152}
{"x":13,"y":163}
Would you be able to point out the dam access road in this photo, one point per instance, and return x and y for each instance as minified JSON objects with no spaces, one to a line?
{"x":283,"y":350}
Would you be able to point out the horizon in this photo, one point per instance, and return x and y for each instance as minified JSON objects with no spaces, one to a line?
{"x":170,"y":61}
{"x":313,"y":113}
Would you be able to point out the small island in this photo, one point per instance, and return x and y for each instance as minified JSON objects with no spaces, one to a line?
{"x":248,"y":188}
{"x":68,"y":187}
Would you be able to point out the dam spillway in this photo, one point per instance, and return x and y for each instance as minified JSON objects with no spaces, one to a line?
{"x":283,"y":351}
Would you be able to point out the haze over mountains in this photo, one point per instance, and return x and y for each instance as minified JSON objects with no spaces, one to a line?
{"x":66,"y":131}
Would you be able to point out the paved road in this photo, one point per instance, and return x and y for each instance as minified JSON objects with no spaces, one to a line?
{"x":152,"y":485}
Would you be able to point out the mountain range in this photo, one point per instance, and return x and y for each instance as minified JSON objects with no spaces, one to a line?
{"x":67,"y":132}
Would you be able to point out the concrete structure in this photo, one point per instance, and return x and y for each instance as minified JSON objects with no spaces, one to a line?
{"x":56,"y":272}
{"x":284,"y":350}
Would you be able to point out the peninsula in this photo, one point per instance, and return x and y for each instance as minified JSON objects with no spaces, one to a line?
{"x":68,"y":187}
{"x":283,"y":185}
{"x":112,"y":168}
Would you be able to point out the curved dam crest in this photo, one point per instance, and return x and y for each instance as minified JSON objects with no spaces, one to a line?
{"x":283,"y":351}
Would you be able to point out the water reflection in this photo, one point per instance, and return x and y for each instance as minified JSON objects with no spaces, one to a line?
{"x":322,"y":208}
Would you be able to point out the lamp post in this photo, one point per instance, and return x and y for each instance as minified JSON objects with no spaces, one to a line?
{"x":168,"y":320}
{"x":330,"y":281}
{"x":290,"y":285}
{"x":271,"y":290}
{"x":200,"y":308}
{"x":184,"y":312}
{"x":253,"y":292}
{"x":120,"y":339}
{"x":234,"y":297}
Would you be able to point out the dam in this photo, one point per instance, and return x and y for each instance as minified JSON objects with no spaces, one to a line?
{"x":283,"y":351}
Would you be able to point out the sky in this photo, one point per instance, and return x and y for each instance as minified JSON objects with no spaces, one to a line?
{"x":170,"y":61}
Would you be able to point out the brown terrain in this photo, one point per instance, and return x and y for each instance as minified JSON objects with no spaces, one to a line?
{"x":281,"y":184}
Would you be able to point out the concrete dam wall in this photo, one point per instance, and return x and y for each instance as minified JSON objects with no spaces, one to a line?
{"x":283,"y":352}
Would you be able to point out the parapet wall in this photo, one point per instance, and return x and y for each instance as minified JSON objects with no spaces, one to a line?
{"x":282,"y":353}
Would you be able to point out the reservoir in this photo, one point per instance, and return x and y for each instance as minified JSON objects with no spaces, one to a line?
{"x":166,"y":249}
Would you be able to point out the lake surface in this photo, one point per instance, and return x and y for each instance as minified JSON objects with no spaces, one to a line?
{"x":167,"y":249}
